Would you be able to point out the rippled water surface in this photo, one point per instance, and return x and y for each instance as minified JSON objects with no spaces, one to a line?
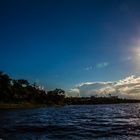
{"x":82,"y":122}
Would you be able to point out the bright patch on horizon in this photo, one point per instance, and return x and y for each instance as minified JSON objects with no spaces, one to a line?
{"x":136,"y":55}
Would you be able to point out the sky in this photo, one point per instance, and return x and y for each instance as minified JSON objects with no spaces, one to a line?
{"x":72,"y":44}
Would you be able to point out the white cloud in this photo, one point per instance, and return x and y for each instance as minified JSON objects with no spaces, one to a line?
{"x":88,"y":68}
{"x":128,"y":87}
{"x":73,"y":92}
{"x":97,"y":66}
{"x":102,"y":65}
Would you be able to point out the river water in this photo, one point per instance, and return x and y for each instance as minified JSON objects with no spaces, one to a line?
{"x":75,"y":122}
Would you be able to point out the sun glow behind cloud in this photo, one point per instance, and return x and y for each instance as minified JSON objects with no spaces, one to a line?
{"x":136,"y":54}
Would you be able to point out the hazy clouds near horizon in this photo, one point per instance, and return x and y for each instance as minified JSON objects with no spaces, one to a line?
{"x":128,"y":87}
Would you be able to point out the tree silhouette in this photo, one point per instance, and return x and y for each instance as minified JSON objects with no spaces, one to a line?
{"x":56,"y":96}
{"x":23,"y":83}
{"x":5,"y":87}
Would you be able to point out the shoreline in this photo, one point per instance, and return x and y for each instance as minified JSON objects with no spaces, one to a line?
{"x":31,"y":105}
{"x":21,"y":105}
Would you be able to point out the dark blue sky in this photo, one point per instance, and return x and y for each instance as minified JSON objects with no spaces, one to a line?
{"x":60,"y":43}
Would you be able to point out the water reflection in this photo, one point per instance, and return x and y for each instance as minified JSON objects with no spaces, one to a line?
{"x":119,"y":121}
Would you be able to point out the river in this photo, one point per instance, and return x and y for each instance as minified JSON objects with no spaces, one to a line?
{"x":74,"y":122}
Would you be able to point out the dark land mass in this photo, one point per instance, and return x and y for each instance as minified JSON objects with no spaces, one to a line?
{"x":21,"y":94}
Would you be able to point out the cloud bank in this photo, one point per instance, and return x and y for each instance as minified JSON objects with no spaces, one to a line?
{"x":128,"y":87}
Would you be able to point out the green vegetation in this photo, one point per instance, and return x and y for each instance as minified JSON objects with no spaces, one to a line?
{"x":21,"y":94}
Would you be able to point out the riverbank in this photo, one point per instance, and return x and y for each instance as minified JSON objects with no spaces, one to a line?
{"x":21,"y":105}
{"x":31,"y":105}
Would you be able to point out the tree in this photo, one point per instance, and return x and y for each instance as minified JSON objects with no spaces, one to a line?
{"x":5,"y":87}
{"x":4,"y":80}
{"x":23,"y":83}
{"x":56,"y":96}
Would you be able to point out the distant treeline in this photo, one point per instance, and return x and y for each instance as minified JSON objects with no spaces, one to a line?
{"x":21,"y":91}
{"x":97,"y":100}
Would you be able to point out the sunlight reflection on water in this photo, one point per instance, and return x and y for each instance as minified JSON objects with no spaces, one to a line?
{"x":116,"y":121}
